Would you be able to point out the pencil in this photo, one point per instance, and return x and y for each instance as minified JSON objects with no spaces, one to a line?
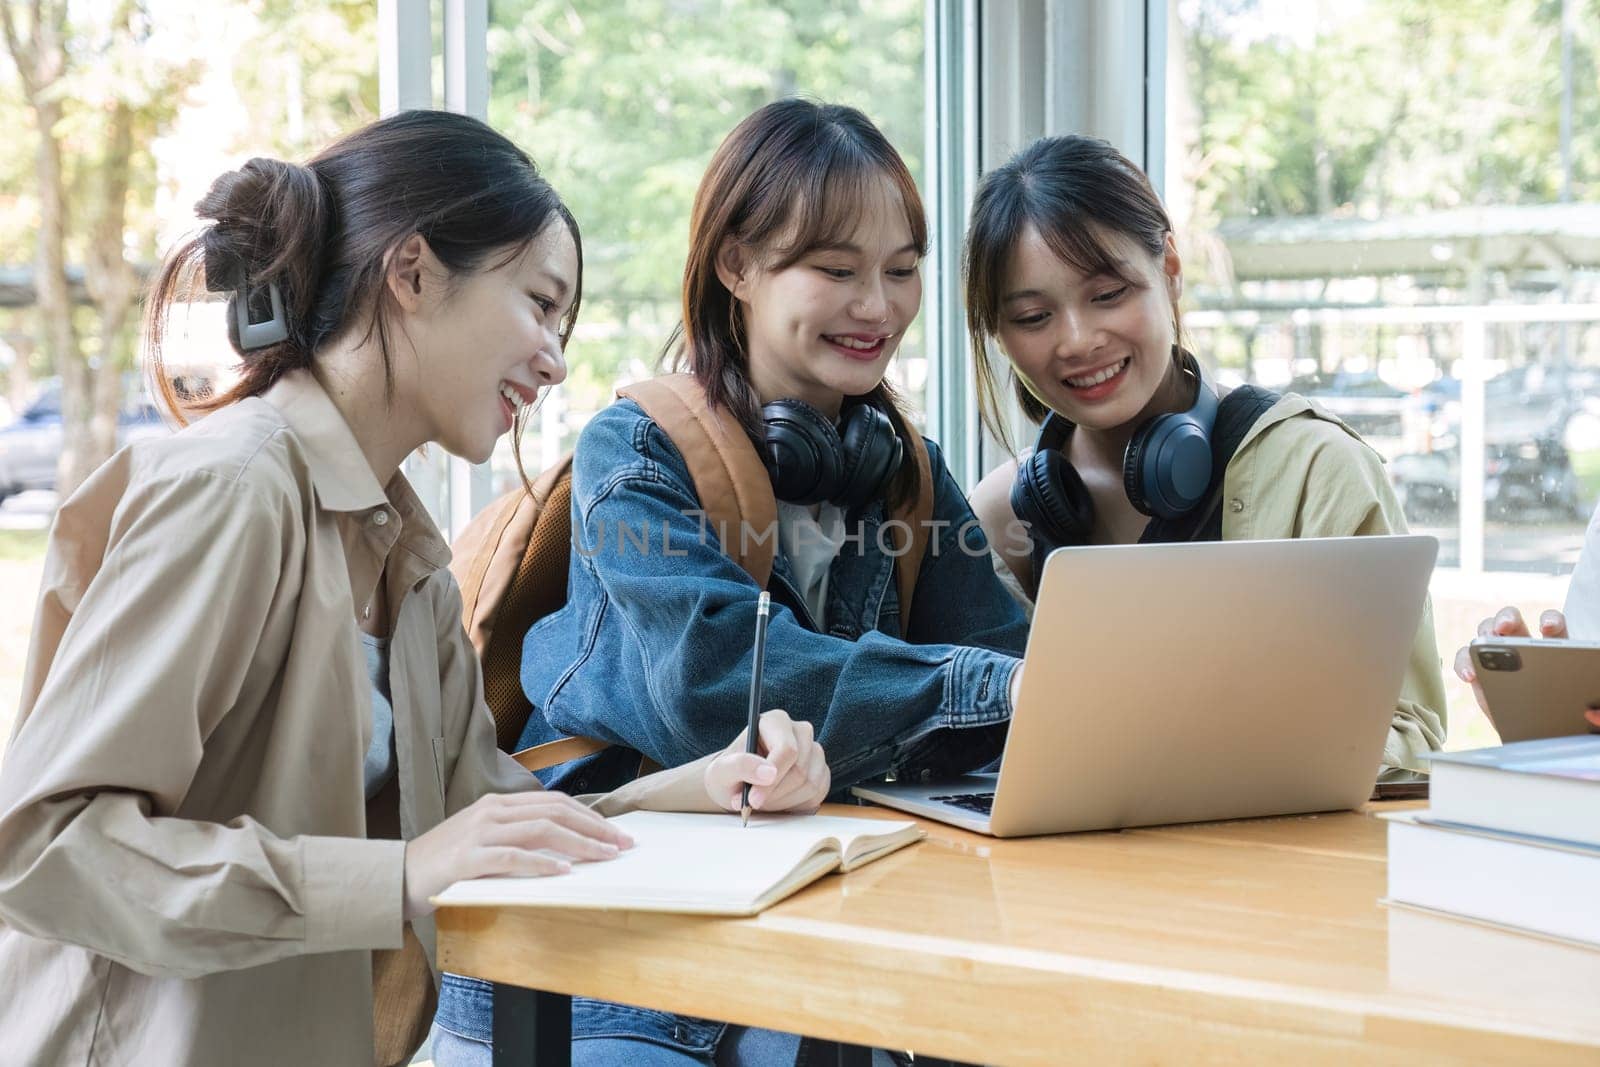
{"x":763,"y":609}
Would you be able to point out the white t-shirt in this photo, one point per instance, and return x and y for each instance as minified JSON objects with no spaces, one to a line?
{"x":810,"y":544}
{"x":1583,"y":593}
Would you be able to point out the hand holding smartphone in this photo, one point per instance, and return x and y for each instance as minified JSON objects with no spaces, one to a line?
{"x":1537,"y":687}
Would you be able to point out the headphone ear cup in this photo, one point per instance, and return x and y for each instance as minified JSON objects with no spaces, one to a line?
{"x":1132,"y":461}
{"x":802,"y":452}
{"x":1166,"y":468}
{"x":872,"y":455}
{"x":1051,"y":498}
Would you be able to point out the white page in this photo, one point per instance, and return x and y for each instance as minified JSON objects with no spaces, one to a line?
{"x":679,"y":860}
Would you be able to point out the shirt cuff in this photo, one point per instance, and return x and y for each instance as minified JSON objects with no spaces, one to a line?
{"x":978,"y":688}
{"x":354,"y":893}
{"x":1405,"y":749}
{"x":674,"y":789}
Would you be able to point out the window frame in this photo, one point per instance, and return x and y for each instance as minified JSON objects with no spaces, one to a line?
{"x":996,"y":75}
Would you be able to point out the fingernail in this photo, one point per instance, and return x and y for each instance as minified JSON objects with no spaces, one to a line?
{"x":624,"y":840}
{"x":766,"y":773}
{"x":563,"y":867}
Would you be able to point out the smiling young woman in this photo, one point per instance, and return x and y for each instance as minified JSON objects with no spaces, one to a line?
{"x":253,"y":741}
{"x":802,"y":278}
{"x":1072,"y":270}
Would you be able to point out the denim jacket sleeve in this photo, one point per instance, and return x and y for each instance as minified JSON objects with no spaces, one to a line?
{"x":959,"y":600}
{"x":688,"y":613}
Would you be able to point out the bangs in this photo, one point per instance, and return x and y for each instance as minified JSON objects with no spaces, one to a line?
{"x":1085,"y":247}
{"x":827,"y":203}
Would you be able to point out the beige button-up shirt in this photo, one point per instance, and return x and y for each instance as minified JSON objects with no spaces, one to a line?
{"x":1301,"y":472}
{"x":185,"y":876}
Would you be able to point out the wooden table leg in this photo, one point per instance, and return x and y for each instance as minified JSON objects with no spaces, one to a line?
{"x":531,"y":1029}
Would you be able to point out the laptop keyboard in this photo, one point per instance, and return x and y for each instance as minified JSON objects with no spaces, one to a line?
{"x":978,"y":802}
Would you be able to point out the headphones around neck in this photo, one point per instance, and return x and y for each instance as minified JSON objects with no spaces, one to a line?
{"x":1166,"y":469}
{"x":810,"y":460}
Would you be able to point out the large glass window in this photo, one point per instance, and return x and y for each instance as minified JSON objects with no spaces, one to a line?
{"x":1393,"y":206}
{"x":263,"y":79}
{"x":622,"y":102}
{"x":147,"y":104}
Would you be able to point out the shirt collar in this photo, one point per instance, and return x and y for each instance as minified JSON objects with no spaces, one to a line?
{"x":343,"y":479}
{"x":1289,"y":406}
{"x":339,"y":469}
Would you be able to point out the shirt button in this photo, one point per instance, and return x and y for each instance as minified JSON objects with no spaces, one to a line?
{"x":1236,"y":505}
{"x":380,"y":518}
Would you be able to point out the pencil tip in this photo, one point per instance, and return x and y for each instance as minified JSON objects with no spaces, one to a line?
{"x":744,"y":815}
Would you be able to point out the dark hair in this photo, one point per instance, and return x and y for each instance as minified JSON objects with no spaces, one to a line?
{"x":798,"y":173}
{"x":1075,"y":191}
{"x":321,"y":232}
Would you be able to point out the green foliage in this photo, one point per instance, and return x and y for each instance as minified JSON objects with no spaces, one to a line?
{"x":1386,"y":106}
{"x":306,"y":73}
{"x":622,"y":104}
{"x":25,"y":545}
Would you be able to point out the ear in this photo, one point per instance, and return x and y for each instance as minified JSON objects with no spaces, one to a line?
{"x":1172,"y":267}
{"x":732,"y":266}
{"x":411,"y":272}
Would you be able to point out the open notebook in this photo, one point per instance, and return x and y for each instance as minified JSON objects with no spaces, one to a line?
{"x":700,"y":864}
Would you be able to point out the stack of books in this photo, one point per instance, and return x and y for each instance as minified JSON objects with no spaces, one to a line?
{"x":1511,"y":837}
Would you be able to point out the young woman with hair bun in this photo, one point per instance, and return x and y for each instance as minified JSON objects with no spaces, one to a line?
{"x":252,"y":740}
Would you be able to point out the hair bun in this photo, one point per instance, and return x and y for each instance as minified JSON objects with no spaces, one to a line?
{"x":261,"y":212}
{"x":270,"y":226}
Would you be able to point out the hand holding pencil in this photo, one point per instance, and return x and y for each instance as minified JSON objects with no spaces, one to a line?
{"x":758,"y":665}
{"x":774,"y":764}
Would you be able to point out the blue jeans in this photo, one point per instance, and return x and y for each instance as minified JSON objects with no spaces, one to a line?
{"x":741,"y":1046}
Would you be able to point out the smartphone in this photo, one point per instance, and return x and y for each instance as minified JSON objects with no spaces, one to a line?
{"x":1536,"y":687}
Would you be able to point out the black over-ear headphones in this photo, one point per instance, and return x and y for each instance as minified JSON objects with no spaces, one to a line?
{"x":1166,"y":470}
{"x":811,"y":461}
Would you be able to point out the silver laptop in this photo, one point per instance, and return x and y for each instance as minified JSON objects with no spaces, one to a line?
{"x":1210,"y":680}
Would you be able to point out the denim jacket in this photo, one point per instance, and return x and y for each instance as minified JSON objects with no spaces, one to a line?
{"x":653,"y":649}
{"x":653,"y":652}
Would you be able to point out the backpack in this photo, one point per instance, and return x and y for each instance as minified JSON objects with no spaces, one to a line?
{"x":511,"y":560}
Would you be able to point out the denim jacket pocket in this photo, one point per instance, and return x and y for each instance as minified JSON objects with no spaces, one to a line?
{"x":466,"y":1009}
{"x":603,"y":1019}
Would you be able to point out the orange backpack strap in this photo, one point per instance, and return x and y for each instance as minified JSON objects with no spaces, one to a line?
{"x":511,"y":564}
{"x":734,"y":489}
{"x":551,"y":753}
{"x":912,"y":545}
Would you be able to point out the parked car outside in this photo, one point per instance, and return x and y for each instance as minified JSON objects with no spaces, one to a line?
{"x":30,"y":447}
{"x":1369,"y":405}
{"x":1527,"y":481}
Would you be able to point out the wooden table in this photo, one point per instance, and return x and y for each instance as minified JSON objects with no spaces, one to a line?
{"x":1253,"y":941}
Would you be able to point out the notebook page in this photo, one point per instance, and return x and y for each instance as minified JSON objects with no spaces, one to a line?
{"x":678,"y":861}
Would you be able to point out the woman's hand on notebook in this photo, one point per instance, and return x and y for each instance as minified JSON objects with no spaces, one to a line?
{"x":1508,"y":622}
{"x":789,"y":771}
{"x":506,"y":834}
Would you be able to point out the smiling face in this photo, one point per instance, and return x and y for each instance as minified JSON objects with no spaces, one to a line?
{"x":826,"y":326}
{"x":487,"y":343}
{"x":1096,"y":349}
